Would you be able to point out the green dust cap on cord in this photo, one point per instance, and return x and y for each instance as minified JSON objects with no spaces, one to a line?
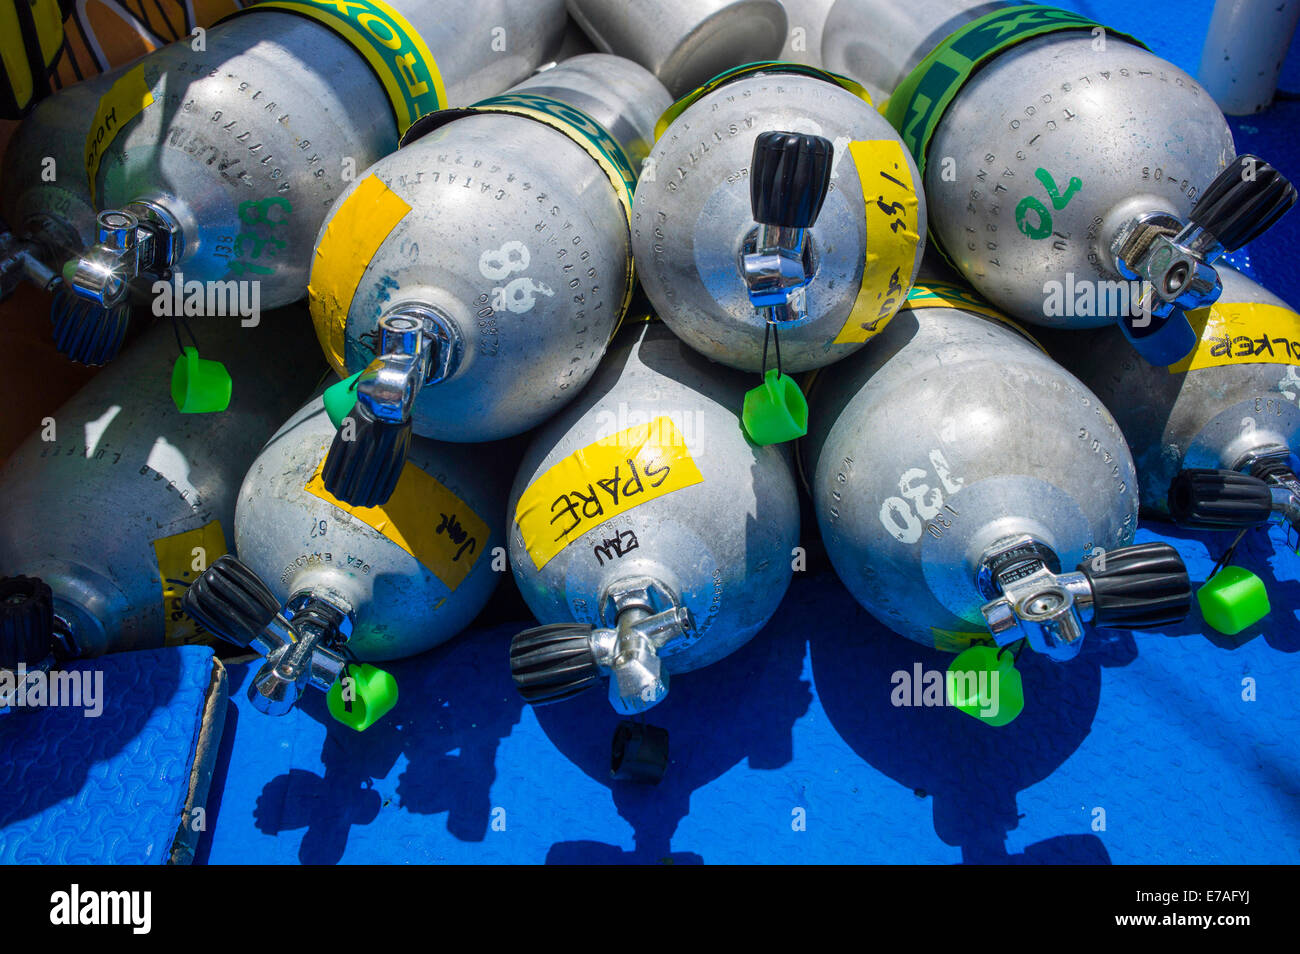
{"x":372,"y":692}
{"x":199,"y":386}
{"x":341,"y":398}
{"x":983,"y":682}
{"x":1233,"y":600}
{"x":776,"y":411}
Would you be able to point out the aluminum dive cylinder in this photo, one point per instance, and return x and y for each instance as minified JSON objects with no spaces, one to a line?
{"x":1054,"y":150}
{"x":777,"y":208}
{"x":470,"y":282}
{"x":221,"y":162}
{"x":805,"y":25}
{"x":684,"y":42}
{"x":969,"y":487}
{"x":120,"y":500}
{"x":1214,"y":436}
{"x":319,"y":584}
{"x":647,"y":535}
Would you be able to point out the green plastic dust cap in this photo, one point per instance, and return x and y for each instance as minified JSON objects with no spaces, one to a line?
{"x":341,"y":398}
{"x":198,"y":385}
{"x":776,"y":411}
{"x":362,"y":696}
{"x":986,"y":686}
{"x":1233,"y":599}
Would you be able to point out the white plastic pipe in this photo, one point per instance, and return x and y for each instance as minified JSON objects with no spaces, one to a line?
{"x":1244,"y":51}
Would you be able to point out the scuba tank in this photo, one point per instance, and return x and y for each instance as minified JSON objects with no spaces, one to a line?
{"x":1215,"y":435}
{"x":1055,"y":151}
{"x":968,"y":487}
{"x":782,"y":212}
{"x":221,"y":162}
{"x":121,"y":499}
{"x":320,"y":586}
{"x":684,"y":42}
{"x":804,"y":31}
{"x":646,"y":533}
{"x":470,"y":281}
{"x":46,"y":203}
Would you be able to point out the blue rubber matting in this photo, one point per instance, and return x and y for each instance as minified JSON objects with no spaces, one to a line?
{"x":1144,"y":749}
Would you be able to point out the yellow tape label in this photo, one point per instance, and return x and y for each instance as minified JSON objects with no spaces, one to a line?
{"x":1242,"y":332}
{"x":952,"y":642}
{"x":182,"y":558}
{"x":425,"y":519}
{"x":352,"y":236}
{"x":601,"y":481}
{"x":893,"y":233}
{"x":125,"y":100}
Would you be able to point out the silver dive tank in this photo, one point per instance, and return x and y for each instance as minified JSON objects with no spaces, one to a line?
{"x":220,"y":162}
{"x":684,"y":42}
{"x":322,"y":590}
{"x":468,"y":284}
{"x":970,"y":490}
{"x":778,"y":214}
{"x":120,"y":500}
{"x":1056,"y":151}
{"x":646,"y":533}
{"x":1215,"y":436}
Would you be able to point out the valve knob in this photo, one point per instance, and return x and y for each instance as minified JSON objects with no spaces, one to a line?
{"x":364,"y":471}
{"x":788,"y":178}
{"x":228,"y":599}
{"x":26,"y":621}
{"x":554,"y":662}
{"x":86,"y":332}
{"x":1243,"y":202}
{"x":1144,"y":586}
{"x":1219,"y":500}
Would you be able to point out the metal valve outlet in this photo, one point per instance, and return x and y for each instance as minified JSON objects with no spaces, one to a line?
{"x":1137,"y":587}
{"x":142,"y":238}
{"x":554,"y":662}
{"x":301,"y":642}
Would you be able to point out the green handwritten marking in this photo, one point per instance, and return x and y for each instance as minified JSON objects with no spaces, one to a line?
{"x":1058,"y":201}
{"x":271,"y":212}
{"x":1030,"y":204}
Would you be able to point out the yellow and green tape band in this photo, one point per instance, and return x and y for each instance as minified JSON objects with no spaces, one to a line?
{"x":947,"y":295}
{"x":600,"y":481}
{"x":424,"y":518}
{"x":763,"y":66}
{"x":918,"y":105}
{"x":1235,"y":333}
{"x":394,"y":49}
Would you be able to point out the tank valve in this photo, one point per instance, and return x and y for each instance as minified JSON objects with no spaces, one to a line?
{"x":1144,"y":586}
{"x":141,"y":238}
{"x":1174,"y":259}
{"x":1263,"y":487}
{"x":21,"y":259}
{"x":417,"y":346}
{"x":26,"y":633}
{"x":302,"y":642}
{"x":552,"y":663}
{"x":788,"y":178}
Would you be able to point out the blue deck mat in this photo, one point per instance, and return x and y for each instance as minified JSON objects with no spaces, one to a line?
{"x":1152,"y":731}
{"x":111,"y":788}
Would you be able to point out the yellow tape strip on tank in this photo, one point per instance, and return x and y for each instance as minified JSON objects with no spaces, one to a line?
{"x":125,"y":100}
{"x":601,"y":481}
{"x":893,"y":233}
{"x":946,"y":295}
{"x":396,"y":52}
{"x":352,"y":236}
{"x":178,"y":555}
{"x":425,"y":519}
{"x":1242,"y":332}
{"x":764,"y":66}
{"x":954,"y":642}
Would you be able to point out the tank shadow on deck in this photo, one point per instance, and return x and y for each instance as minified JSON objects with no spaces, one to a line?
{"x":450,"y":716}
{"x":971,"y":771}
